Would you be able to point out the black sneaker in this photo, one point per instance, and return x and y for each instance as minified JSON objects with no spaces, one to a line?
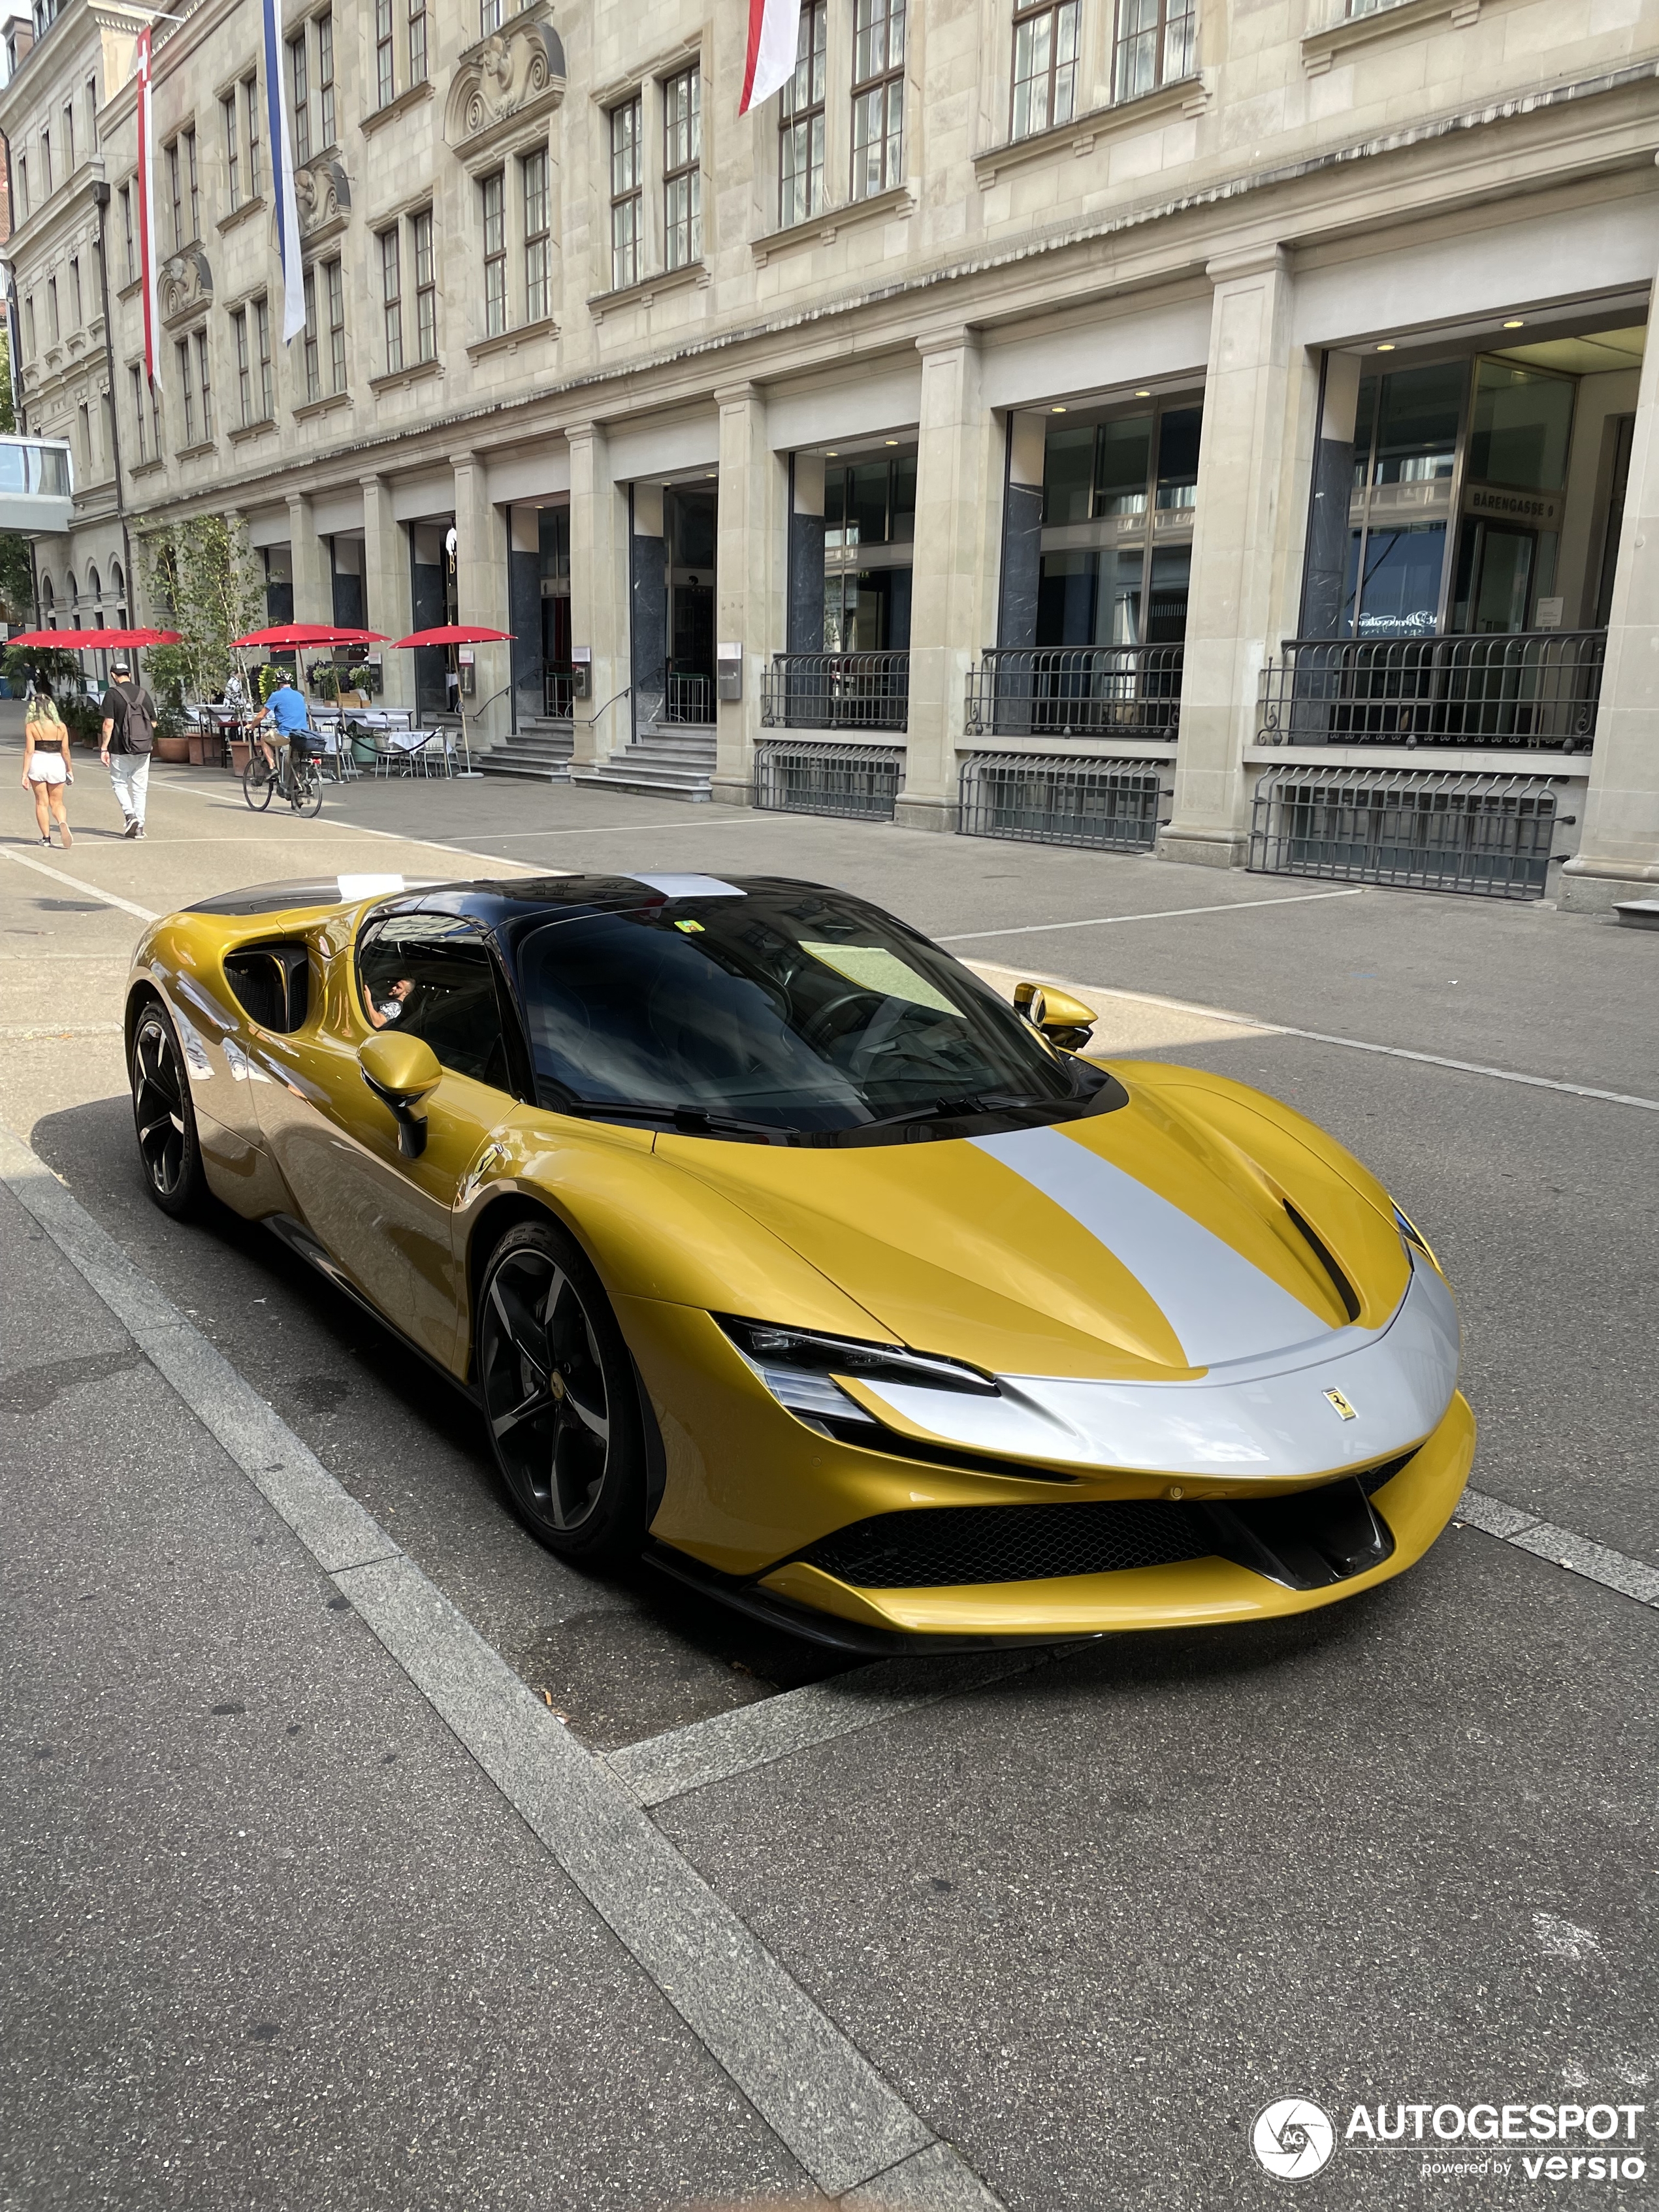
{"x":134,"y":828}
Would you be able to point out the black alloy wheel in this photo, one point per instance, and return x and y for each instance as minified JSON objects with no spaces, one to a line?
{"x":306,"y":793}
{"x":560,"y":1399}
{"x":164,"y":1115}
{"x":257,"y":781}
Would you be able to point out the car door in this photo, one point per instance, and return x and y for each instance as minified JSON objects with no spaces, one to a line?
{"x":385,"y":1219}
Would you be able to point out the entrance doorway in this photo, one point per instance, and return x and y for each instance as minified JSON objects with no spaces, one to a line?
{"x":689,"y":523}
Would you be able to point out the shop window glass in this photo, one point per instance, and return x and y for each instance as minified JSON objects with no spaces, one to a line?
{"x":867,"y":504}
{"x":1398,"y":590}
{"x":1521,"y":423}
{"x":1178,"y":457}
{"x":1067,"y":474}
{"x":692,"y":529}
{"x":904,"y":500}
{"x":1417,"y":423}
{"x":1166,"y":613}
{"x":1120,"y":465}
{"x":1067,"y":592}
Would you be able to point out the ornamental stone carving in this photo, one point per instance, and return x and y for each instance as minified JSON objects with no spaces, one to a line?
{"x":513,"y":77}
{"x":184,"y":283}
{"x":322,"y":192}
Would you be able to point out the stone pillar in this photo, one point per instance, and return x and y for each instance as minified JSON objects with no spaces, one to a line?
{"x":385,"y":590}
{"x":481,"y":598}
{"x":1618,"y":855}
{"x":746,"y":563}
{"x":1245,"y":467}
{"x":958,"y":486}
{"x":1022,"y":532}
{"x":804,"y":628}
{"x":313,"y":585}
{"x":598,"y":596}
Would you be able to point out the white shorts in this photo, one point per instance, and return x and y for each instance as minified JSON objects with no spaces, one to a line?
{"x":47,"y":768}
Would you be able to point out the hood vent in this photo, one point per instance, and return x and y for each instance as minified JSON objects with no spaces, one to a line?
{"x":1327,"y":1260}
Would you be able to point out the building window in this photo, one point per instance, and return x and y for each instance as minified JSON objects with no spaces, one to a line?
{"x":426,"y":289}
{"x":334,"y":284}
{"x":262,"y":354}
{"x":193,"y":182}
{"x":45,"y":162}
{"x":92,"y":115}
{"x":878,"y":97}
{"x":325,"y":76}
{"x":202,"y":383}
{"x":800,"y":122}
{"x":625,"y":168}
{"x":22,"y":185}
{"x":128,"y":242}
{"x":251,"y":113}
{"x":312,"y":354}
{"x":29,"y":326}
{"x":417,"y":41}
{"x":1045,"y":66}
{"x":83,"y":425}
{"x":681,"y":167}
{"x":176,"y":195}
{"x":324,"y":285}
{"x":75,"y":292}
{"x":492,"y":197}
{"x":233,"y":148}
{"x":1156,"y":40}
{"x":136,"y":378}
{"x":385,"y":73}
{"x":52,"y":323}
{"x":300,"y":97}
{"x":392,"y":298}
{"x":537,"y":301}
{"x":244,"y":366}
{"x":489,"y":17}
{"x":1137,"y":475}
{"x":186,"y":390}
{"x":68,"y":139}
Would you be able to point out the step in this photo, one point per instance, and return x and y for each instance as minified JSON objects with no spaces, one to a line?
{"x":660,"y":783}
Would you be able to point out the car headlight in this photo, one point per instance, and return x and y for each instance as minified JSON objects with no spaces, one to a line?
{"x":798,"y":1367}
{"x":1413,"y":1235}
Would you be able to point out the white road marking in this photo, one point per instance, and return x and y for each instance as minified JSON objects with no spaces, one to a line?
{"x":79,"y":884}
{"x":59,"y":1030}
{"x":845,"y":2124}
{"x":1158,"y":914}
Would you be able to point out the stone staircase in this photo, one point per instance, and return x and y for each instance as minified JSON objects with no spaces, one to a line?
{"x":672,"y":760}
{"x":537,"y":748}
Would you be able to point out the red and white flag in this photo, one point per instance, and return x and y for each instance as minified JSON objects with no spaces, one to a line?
{"x":147,"y":213}
{"x":774,"y":37}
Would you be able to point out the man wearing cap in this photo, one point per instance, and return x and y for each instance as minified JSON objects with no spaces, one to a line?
{"x":128,"y":738}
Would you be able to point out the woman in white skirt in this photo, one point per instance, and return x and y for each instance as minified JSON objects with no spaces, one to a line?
{"x":46,"y":768}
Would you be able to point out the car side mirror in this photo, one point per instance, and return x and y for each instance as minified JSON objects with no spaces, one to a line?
{"x":1065,"y":1021}
{"x":401,"y":1072}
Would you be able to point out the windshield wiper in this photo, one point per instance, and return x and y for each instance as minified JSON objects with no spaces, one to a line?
{"x":689,"y":1120}
{"x":948,"y":1109}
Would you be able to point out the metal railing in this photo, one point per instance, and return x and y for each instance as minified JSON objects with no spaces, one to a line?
{"x":1418,"y":829}
{"x":1037,"y":798}
{"x":558,"y":691}
{"x":861,"y":781}
{"x":687,"y":697}
{"x":1527,"y":690}
{"x":836,"y":691}
{"x":1128,"y":691}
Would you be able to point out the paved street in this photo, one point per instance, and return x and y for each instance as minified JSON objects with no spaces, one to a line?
{"x":285,"y":1925}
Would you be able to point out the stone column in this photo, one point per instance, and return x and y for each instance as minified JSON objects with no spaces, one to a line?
{"x":805,"y":627}
{"x":385,"y":590}
{"x":958,"y":488}
{"x":747,"y":559}
{"x":1618,"y":855}
{"x":313,"y":586}
{"x":598,"y":595}
{"x":481,"y":598}
{"x":1250,"y":391}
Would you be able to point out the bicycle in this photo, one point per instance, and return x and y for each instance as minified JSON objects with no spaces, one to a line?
{"x":296,"y":777}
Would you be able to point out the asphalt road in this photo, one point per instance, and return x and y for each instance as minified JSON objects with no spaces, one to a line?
{"x":1085,"y":1921}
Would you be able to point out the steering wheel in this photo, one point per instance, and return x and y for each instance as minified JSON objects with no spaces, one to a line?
{"x":812,"y":1031}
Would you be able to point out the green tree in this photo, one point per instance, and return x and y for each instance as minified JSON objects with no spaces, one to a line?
{"x":203,"y":578}
{"x":17,"y":569}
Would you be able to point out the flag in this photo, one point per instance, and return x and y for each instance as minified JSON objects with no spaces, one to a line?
{"x":774,"y":36}
{"x":282,"y":178}
{"x":147,"y":213}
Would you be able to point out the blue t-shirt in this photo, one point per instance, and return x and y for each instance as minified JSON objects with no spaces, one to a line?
{"x":287,"y":710}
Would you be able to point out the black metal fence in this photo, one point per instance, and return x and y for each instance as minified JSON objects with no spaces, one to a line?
{"x":1039,"y":799}
{"x":1528,"y":690}
{"x":687,"y":696}
{"x":1416,"y":829}
{"x":836,"y":691}
{"x":1129,"y":691}
{"x":558,"y":692}
{"x":860,"y":780}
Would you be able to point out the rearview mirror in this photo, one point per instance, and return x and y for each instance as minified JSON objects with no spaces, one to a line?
{"x":1065,"y":1021}
{"x":401,"y":1071}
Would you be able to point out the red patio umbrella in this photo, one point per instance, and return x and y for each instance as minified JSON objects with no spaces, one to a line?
{"x":458,"y":634}
{"x":77,"y":640}
{"x":289,"y":637}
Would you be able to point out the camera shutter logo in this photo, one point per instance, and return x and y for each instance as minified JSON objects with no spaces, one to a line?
{"x":1293,"y":2138}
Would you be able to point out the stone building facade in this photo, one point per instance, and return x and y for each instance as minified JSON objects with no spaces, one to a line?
{"x":1223,"y":426}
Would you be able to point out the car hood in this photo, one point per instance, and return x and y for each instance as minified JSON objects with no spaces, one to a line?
{"x":1182,"y":1233}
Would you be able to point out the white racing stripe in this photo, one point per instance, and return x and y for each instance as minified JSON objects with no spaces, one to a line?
{"x":1220,"y":1306}
{"x":679,"y":887}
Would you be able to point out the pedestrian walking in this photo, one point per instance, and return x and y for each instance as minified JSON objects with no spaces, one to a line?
{"x":46,"y":767}
{"x":129,"y":739}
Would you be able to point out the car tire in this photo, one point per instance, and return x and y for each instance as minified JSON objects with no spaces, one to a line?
{"x":559,"y":1397}
{"x":164,"y":1115}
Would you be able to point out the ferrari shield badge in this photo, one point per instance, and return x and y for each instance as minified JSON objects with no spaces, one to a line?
{"x":1341,"y":1404}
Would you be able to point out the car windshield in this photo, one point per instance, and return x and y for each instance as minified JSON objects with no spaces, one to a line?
{"x":781,"y":1011}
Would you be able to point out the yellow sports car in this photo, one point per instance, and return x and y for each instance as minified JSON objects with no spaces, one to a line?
{"x":771,"y":1242}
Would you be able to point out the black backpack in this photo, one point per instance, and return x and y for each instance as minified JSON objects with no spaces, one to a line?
{"x":137,"y":731}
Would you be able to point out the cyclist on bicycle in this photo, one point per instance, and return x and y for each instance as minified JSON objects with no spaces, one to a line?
{"x":286,"y":712}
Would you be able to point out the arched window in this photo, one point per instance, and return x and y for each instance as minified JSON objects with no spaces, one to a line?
{"x":94,"y":589}
{"x":68,"y":585}
{"x":48,"y":602}
{"x":118,"y":582}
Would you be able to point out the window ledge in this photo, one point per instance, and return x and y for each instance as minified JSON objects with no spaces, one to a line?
{"x":195,"y":452}
{"x":395,"y":379}
{"x":238,"y":215}
{"x":145,"y":468}
{"x":308,"y":407}
{"x":1320,"y":48}
{"x":130,"y":289}
{"x":601,"y":304}
{"x":1187,"y":93}
{"x":246,"y":430}
{"x":821,"y":229}
{"x":410,"y":96}
{"x":510,"y":341}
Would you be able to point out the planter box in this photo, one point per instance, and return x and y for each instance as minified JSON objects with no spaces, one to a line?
{"x":203,"y":751}
{"x":240,"y":752}
{"x":176,"y":750}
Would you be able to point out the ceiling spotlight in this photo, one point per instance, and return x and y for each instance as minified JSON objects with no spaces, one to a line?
{"x":1387,"y":346}
{"x":890,"y":441}
{"x":1517,"y":325}
{"x":711,"y":472}
{"x":1056,"y":410}
{"x":1145,"y":393}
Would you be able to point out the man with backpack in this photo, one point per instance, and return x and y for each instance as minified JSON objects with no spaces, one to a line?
{"x":128,"y":740}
